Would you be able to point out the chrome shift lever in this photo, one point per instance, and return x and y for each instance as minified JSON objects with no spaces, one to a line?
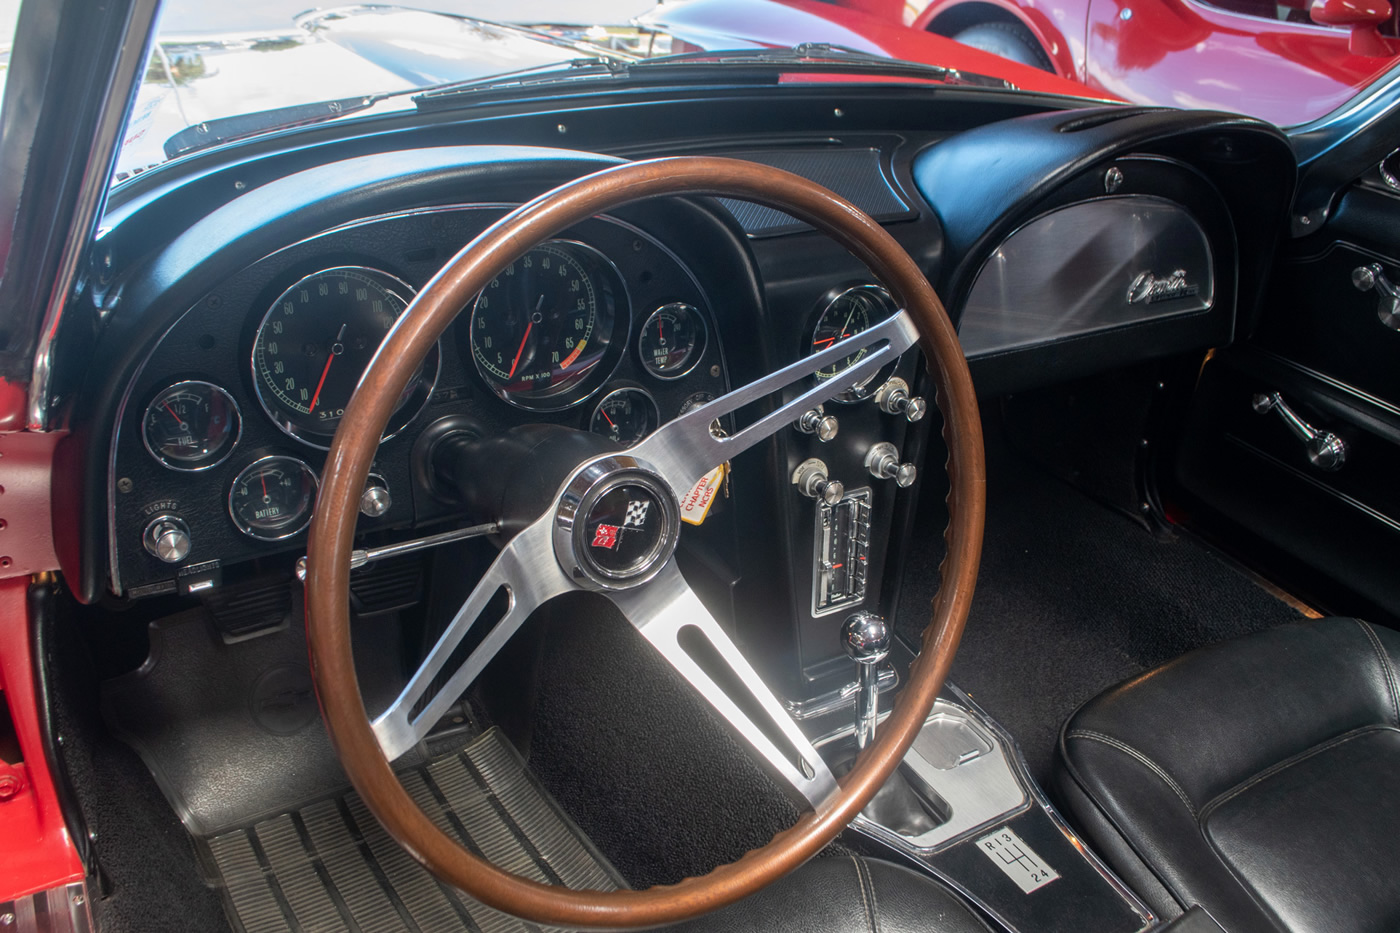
{"x":866,"y":638}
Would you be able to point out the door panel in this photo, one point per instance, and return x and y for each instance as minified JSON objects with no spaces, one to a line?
{"x":1328,"y":531}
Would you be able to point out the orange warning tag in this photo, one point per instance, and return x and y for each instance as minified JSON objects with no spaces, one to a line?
{"x":695,"y":505}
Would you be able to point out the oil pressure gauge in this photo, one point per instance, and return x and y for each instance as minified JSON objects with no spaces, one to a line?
{"x":625,"y":416}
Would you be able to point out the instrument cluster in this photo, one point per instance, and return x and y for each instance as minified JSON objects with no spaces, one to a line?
{"x":602,"y":329}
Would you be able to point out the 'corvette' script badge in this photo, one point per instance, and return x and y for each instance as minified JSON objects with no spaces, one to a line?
{"x":1147,"y":288}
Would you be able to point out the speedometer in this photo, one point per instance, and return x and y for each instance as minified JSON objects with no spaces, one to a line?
{"x":541,"y":332}
{"x":316,"y":341}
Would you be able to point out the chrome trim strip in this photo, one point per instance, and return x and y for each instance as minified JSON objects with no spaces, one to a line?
{"x":92,"y":197}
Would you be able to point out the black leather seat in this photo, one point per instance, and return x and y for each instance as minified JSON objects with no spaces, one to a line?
{"x":845,"y":895}
{"x":1259,"y":778}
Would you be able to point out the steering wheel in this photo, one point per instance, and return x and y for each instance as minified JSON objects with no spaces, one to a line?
{"x":555,"y":553}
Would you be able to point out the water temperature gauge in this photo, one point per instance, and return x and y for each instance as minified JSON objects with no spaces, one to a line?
{"x":625,"y":416}
{"x":191,"y":425}
{"x":672,"y":340}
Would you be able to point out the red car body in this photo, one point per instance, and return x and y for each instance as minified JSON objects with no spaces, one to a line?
{"x":1178,"y":53}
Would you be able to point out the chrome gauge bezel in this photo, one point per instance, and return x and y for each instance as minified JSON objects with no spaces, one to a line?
{"x":417,"y":396}
{"x":199,"y":467}
{"x":866,"y":387}
{"x":697,"y":350}
{"x":618,"y":341}
{"x":621,"y":390}
{"x":310,"y":511}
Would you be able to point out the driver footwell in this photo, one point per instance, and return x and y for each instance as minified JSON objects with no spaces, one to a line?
{"x":329,"y":865}
{"x":232,"y":736}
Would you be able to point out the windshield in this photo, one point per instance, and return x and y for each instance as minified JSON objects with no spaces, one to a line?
{"x":226,"y":71}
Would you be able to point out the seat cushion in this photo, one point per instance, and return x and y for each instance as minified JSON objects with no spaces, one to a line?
{"x":845,"y":895}
{"x":1259,"y":778}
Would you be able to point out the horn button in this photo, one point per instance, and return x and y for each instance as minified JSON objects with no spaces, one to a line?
{"x":616,"y":524}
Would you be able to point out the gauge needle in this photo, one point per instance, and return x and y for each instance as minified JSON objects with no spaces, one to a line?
{"x":327,"y":371}
{"x":175,"y":416}
{"x":263,"y":477}
{"x":606,"y":418}
{"x":817,"y":343}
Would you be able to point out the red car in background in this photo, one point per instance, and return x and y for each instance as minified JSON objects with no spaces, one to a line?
{"x":1180,"y":53}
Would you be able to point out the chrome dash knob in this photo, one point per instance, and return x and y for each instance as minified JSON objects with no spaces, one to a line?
{"x":167,"y":538}
{"x":819,"y":423}
{"x":812,"y":481}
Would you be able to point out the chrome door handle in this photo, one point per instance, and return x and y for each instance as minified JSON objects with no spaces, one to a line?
{"x":1372,"y":276}
{"x":1325,"y":450}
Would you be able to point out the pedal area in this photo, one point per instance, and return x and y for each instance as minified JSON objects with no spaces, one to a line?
{"x":230,"y":731}
{"x":330,"y":866}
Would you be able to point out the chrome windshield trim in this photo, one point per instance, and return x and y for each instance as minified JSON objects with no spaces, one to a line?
{"x":92,"y":196}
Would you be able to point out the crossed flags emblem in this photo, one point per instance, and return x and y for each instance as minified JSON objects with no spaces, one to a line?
{"x":609,"y":536}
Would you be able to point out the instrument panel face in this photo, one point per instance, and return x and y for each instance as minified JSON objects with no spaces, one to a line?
{"x":240,"y":400}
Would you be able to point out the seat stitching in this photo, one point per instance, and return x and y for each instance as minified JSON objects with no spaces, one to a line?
{"x":864,"y":900}
{"x":1387,"y":668}
{"x":1274,"y":769}
{"x":1128,"y":750}
{"x":874,"y":900}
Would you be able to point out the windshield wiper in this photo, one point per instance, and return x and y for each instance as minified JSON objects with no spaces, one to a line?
{"x":225,"y":129}
{"x":742,"y":65}
{"x":747,"y":65}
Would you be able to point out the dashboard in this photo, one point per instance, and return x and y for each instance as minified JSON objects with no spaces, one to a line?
{"x":602,"y":329}
{"x":241,"y":298}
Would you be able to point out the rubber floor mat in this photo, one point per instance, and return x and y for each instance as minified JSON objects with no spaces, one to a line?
{"x":330,"y":866}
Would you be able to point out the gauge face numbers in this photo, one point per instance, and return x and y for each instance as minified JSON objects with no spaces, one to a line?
{"x":625,"y":416}
{"x":541,"y":330}
{"x":846,"y":314}
{"x":316,"y":341}
{"x":672,"y":340}
{"x":272,"y":498}
{"x":191,"y":426}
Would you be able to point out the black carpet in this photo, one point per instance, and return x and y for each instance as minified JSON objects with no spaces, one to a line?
{"x":634,"y":755}
{"x":1072,"y":598}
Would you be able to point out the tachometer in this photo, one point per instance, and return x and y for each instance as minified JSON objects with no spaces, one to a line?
{"x":541,"y":332}
{"x":314,"y":344}
{"x":845,"y":314}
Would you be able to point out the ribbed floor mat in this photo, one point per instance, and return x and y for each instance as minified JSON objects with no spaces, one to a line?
{"x":329,"y":866}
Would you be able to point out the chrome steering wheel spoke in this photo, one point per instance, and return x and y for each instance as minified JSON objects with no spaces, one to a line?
{"x":684,"y":450}
{"x":669,"y":615}
{"x":528,"y":576}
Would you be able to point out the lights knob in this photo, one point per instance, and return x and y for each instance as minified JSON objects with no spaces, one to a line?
{"x":894,"y":399}
{"x":817,"y":422}
{"x":883,"y":463}
{"x":167,"y":538}
{"x":812,"y":481}
{"x":375,"y":500}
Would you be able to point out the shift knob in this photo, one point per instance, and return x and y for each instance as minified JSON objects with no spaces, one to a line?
{"x":866,"y":638}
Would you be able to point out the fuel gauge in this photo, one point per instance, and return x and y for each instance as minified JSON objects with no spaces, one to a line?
{"x":625,"y":416}
{"x":191,"y":426}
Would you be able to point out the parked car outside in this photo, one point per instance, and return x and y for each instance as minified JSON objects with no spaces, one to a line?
{"x":1289,"y":63}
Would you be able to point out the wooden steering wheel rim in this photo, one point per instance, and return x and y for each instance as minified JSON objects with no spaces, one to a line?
{"x":333,"y":529}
